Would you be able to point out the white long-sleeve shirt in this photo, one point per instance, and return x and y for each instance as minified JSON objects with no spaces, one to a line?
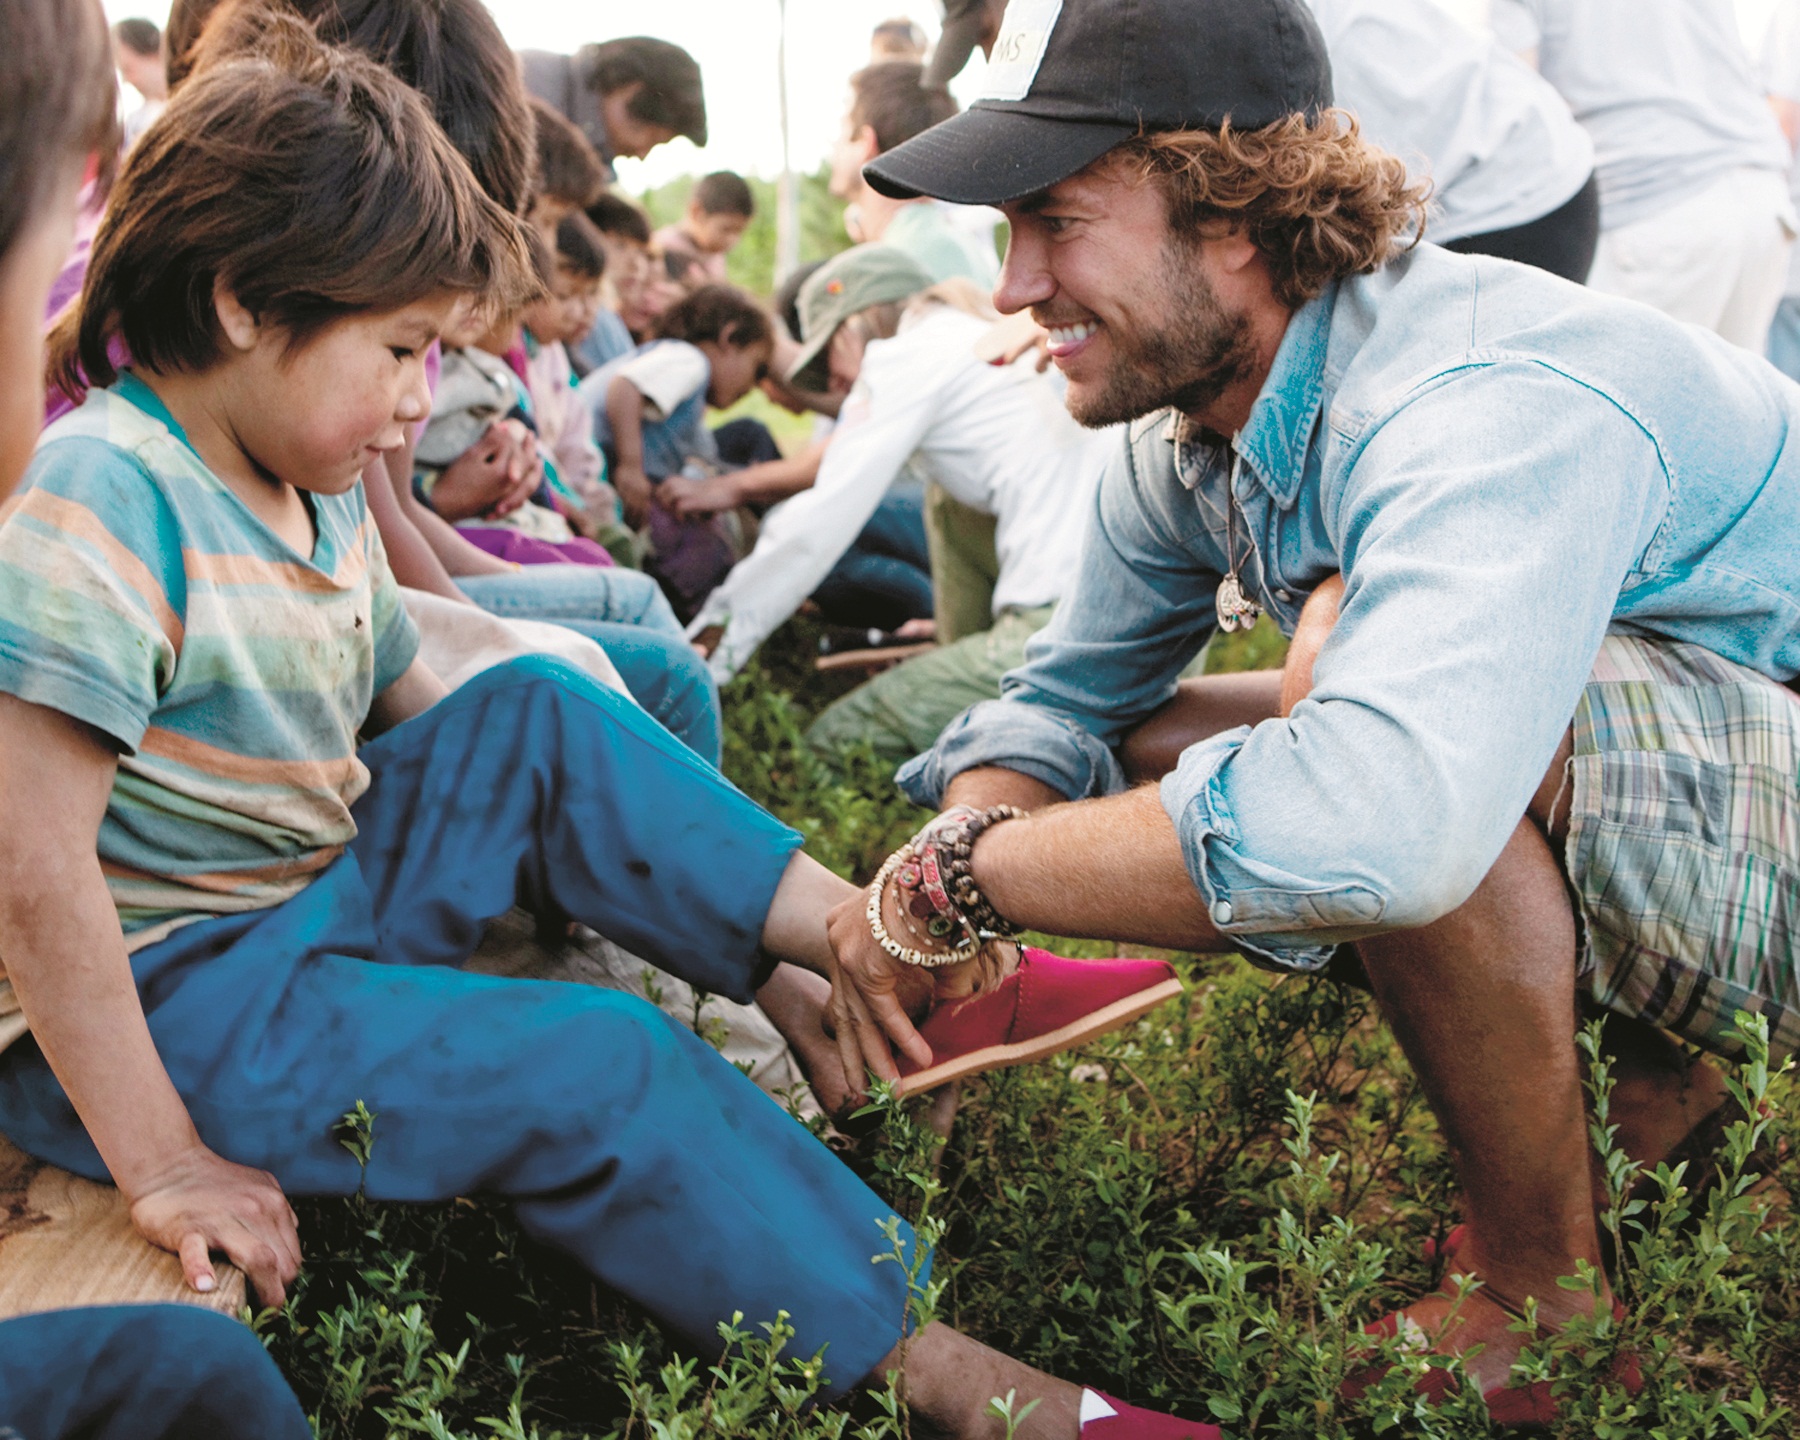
{"x":998,"y":439}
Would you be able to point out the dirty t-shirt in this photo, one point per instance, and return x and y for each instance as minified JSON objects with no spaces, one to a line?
{"x":140,"y":595}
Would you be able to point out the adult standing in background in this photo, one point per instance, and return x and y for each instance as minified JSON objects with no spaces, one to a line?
{"x":1781,"y":79}
{"x":1694,"y":210}
{"x":627,"y":96}
{"x":138,"y":54}
{"x":1512,"y":172}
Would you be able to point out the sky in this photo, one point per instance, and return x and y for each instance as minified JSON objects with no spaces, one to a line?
{"x":735,"y":43}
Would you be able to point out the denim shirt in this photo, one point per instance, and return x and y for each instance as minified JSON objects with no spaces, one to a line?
{"x":1504,"y":467}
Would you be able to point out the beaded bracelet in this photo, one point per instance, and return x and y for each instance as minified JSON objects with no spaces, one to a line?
{"x":966,"y":948}
{"x":935,"y":880}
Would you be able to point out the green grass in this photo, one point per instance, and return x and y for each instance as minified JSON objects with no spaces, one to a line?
{"x":1198,"y":1212}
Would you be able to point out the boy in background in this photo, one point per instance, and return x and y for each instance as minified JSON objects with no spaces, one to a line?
{"x":719,"y":211}
{"x":624,"y":315}
{"x":570,"y":176}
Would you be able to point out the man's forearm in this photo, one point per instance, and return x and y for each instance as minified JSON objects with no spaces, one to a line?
{"x":777,"y":479}
{"x":1107,"y":869}
{"x":990,"y":785}
{"x":67,"y":962}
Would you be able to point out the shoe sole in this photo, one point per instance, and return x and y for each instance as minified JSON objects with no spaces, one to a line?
{"x":995,"y":1057}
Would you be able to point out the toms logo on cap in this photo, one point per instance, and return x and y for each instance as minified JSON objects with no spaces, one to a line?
{"x":1019,"y":51}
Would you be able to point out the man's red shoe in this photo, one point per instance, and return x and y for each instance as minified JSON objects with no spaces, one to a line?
{"x":1104,"y":1418}
{"x":1047,"y":1004}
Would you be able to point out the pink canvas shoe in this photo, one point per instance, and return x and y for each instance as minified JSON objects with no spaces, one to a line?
{"x":1047,"y":1004}
{"x":1104,"y":1418}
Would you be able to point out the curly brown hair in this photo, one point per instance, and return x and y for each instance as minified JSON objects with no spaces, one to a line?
{"x":1319,"y":201}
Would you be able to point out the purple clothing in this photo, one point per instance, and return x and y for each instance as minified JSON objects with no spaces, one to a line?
{"x":506,"y":544}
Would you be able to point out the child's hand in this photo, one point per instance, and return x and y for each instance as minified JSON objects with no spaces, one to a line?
{"x":478,"y":479}
{"x":203,"y":1203}
{"x":525,"y":468}
{"x":683,"y":497}
{"x":635,"y":493}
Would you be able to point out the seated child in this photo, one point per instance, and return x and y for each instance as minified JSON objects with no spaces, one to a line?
{"x":478,"y":390}
{"x":649,"y":410}
{"x":624,"y":315}
{"x":225,"y":924}
{"x":719,"y":210}
{"x":570,"y":175}
{"x":150,"y":1372}
{"x":565,"y":427}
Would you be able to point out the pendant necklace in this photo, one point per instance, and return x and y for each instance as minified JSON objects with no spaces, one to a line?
{"x":1237,"y":611}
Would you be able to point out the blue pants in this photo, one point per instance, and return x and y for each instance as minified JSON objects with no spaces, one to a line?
{"x":141,"y":1372}
{"x":625,"y":612}
{"x":884,"y":578}
{"x":619,"y":1136}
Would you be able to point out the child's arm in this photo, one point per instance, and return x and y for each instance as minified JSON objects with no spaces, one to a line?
{"x":625,"y":413}
{"x":412,"y":694}
{"x":66,"y":958}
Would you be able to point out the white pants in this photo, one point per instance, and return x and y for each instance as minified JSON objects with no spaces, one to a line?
{"x":459,"y":641}
{"x":1718,"y":258}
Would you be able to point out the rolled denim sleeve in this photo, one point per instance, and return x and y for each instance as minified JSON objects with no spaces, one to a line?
{"x":1139,"y":609}
{"x":1487,"y":528}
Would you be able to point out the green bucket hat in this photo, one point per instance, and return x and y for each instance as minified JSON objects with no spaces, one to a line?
{"x":864,"y":276}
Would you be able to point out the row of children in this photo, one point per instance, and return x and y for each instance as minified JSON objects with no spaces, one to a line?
{"x":250,"y":835}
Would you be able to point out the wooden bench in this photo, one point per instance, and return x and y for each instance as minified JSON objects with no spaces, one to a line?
{"x":66,"y":1242}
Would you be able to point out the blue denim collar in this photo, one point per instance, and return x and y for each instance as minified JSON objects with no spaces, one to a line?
{"x":1286,"y":413}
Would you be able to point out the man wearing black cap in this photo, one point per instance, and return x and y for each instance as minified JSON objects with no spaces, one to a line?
{"x":1552,"y":699}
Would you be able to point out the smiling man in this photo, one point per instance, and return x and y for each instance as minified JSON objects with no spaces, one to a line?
{"x":1546,"y":750}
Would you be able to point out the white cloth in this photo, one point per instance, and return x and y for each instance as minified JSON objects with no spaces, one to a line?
{"x":457,"y":641}
{"x":1498,"y":143}
{"x":1781,"y":78}
{"x":997,"y":439}
{"x":1718,"y":258}
{"x":1665,"y":87}
{"x":665,"y":374}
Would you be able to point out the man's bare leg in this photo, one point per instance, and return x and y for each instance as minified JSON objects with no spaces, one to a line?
{"x":1199,"y":709}
{"x":1483,"y":1005}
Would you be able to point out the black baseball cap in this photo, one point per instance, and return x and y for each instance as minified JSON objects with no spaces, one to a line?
{"x":1070,"y":79}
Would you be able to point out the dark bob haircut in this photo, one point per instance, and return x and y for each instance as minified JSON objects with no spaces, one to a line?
{"x":717,"y":312}
{"x":306,"y":180}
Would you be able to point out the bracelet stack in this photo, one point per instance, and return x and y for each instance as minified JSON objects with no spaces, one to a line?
{"x":938,"y":901}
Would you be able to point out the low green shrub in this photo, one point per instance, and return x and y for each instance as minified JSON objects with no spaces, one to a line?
{"x":1199,"y":1212}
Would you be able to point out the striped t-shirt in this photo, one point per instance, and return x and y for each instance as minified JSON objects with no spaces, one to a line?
{"x":139,"y":594}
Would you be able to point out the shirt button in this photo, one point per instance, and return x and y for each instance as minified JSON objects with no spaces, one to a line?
{"x":1221,"y":912}
{"x":1283,"y":595}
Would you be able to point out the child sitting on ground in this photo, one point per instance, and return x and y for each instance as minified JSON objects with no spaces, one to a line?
{"x":560,"y":318}
{"x":719,"y":211}
{"x":649,"y":410}
{"x":624,"y":310}
{"x":153,"y":1372}
{"x":479,"y":396}
{"x":227,"y":924}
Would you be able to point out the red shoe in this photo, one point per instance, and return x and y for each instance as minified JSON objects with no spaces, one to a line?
{"x":1047,"y":1004}
{"x":1127,"y":1422}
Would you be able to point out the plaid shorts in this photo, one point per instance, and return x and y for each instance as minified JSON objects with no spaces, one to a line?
{"x":1684,"y":841}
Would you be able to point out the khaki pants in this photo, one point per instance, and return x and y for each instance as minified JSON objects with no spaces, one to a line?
{"x":964,"y":567}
